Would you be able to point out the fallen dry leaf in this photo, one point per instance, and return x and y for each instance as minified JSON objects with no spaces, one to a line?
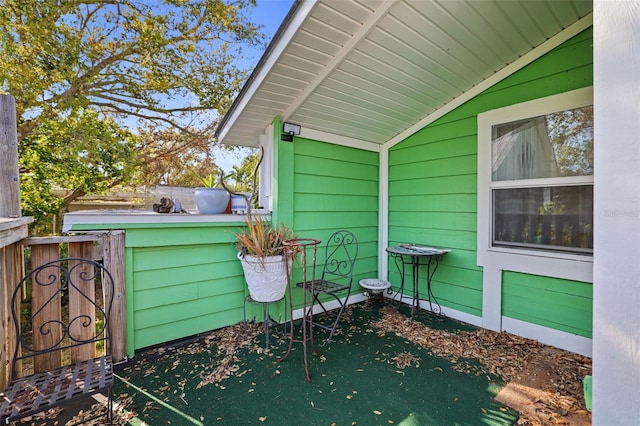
{"x":501,"y":354}
{"x":405,"y":360}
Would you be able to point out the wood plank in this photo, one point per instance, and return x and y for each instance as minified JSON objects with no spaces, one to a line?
{"x":450,"y":143}
{"x":331,"y":151}
{"x":114,"y":262}
{"x":192,"y":317}
{"x":5,"y":318}
{"x":335,"y":167}
{"x":13,"y":235}
{"x":334,"y":220}
{"x":16,"y":272}
{"x":311,"y":184}
{"x":9,"y":175}
{"x":334,"y":202}
{"x":82,"y":297}
{"x":191,"y":235}
{"x":450,"y":221}
{"x":59,"y":239}
{"x":459,"y":184}
{"x":458,"y":203}
{"x":11,"y":272}
{"x":441,"y":167}
{"x":47,"y":310}
{"x":185,"y":255}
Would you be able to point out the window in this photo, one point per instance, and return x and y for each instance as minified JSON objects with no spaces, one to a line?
{"x":538,"y":177}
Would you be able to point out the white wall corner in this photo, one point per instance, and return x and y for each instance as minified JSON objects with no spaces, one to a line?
{"x":616,"y":290}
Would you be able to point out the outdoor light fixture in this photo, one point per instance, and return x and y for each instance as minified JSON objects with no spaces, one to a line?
{"x":289,"y":130}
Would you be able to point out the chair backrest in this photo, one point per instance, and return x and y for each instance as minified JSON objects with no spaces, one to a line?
{"x":65,"y":321}
{"x":341,"y":253}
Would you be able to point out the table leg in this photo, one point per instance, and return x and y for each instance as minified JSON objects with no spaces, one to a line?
{"x":432,"y":265}
{"x":415,"y":263}
{"x":400,"y":264}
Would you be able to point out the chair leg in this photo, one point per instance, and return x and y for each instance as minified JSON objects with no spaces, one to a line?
{"x":110,"y":406}
{"x":333,"y":327}
{"x":335,"y":324}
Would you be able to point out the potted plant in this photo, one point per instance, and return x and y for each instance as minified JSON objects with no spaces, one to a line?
{"x":210,"y":199}
{"x":261,"y":249}
{"x":261,"y":253}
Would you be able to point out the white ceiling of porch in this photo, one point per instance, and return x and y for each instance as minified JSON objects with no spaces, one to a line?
{"x":370,"y":70}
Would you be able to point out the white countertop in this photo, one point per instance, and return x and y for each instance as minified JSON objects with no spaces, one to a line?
{"x":118,"y":216}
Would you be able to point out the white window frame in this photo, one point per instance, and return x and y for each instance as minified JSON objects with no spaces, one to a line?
{"x":495,"y":260}
{"x":565,"y":101}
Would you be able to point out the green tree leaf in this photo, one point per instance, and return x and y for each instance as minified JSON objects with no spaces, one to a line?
{"x":167,"y":65}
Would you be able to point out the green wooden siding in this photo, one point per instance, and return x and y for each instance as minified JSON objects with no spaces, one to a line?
{"x":182,"y":279}
{"x":560,"y":304}
{"x":433,"y":187}
{"x":336,"y":187}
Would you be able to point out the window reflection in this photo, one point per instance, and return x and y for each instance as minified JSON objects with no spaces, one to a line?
{"x":553,"y":145}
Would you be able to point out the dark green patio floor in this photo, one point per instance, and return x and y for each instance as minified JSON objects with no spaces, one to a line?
{"x":354,"y":381}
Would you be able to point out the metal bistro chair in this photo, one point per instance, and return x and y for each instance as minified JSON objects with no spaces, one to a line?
{"x":337,"y":275}
{"x":60,"y":347}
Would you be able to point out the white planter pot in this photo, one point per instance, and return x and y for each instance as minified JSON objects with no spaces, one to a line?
{"x":211,"y":200}
{"x":238,"y":204}
{"x":266,"y":277}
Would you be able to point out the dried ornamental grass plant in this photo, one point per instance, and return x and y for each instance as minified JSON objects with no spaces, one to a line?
{"x":261,"y":238}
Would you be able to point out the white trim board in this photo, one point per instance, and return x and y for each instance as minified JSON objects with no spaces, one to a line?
{"x":545,"y":335}
{"x":548,"y":336}
{"x":332,"y":138}
{"x":383,"y":213}
{"x":108,"y":218}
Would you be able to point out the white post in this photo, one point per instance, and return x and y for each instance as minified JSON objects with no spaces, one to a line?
{"x":616,"y":285}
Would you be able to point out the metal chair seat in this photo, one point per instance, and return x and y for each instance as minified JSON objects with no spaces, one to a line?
{"x":328,"y":287}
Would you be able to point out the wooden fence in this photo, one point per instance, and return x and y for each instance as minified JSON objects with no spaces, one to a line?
{"x":107,"y":247}
{"x":14,"y":241}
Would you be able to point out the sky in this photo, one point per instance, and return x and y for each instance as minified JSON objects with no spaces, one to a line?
{"x":270,"y":14}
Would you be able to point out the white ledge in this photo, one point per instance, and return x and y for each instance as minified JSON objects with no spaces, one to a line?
{"x":108,"y":218}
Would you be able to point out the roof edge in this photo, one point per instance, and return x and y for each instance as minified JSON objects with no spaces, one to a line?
{"x":287,"y":29}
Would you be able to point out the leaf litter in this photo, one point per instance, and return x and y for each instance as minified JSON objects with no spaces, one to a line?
{"x":476,"y":351}
{"x":557,"y":374}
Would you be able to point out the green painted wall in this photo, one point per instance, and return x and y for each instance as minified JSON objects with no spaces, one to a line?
{"x":335,"y":187}
{"x":433,"y":189}
{"x":560,"y":304}
{"x":182,"y":279}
